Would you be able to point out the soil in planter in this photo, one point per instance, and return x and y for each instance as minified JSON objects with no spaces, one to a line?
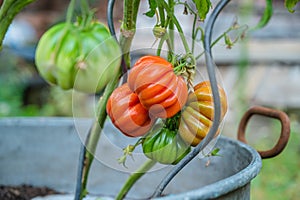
{"x":24,"y":192}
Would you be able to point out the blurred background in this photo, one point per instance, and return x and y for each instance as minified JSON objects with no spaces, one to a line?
{"x":262,"y":69}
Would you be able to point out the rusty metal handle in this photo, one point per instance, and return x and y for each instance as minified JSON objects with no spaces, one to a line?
{"x":267,"y":112}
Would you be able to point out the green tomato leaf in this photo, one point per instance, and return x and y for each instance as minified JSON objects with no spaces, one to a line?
{"x":290,"y":4}
{"x":215,"y":152}
{"x":152,"y":7}
{"x":268,"y":12}
{"x":203,"y":7}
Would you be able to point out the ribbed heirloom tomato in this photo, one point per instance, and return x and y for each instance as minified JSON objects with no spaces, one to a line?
{"x":83,"y":58}
{"x":127,"y":113}
{"x":197,"y":116}
{"x":159,"y":89}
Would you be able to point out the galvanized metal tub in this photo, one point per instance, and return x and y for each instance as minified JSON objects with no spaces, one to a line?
{"x":45,"y":151}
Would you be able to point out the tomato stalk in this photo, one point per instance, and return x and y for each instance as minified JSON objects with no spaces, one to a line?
{"x":84,"y":7}
{"x":173,"y":122}
{"x":134,"y":177}
{"x":128,"y":27}
{"x":194,"y":33}
{"x":171,"y":22}
{"x":160,"y":31}
{"x":168,"y":36}
{"x":194,"y":29}
{"x":127,"y":151}
{"x":235,"y":26}
{"x":171,"y":25}
{"x":128,"y":24}
{"x":86,"y":14}
{"x":94,"y":135}
{"x":9,"y":9}
{"x":165,"y":37}
{"x":70,"y":11}
{"x":170,"y":13}
{"x":85,"y":17}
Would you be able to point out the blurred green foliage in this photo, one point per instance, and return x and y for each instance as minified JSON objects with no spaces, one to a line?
{"x":16,"y":76}
{"x":12,"y":81}
{"x":279,"y":178}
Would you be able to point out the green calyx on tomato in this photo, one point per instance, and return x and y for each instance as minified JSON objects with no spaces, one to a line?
{"x":159,"y":89}
{"x":185,"y":65}
{"x":197,"y":116}
{"x":164,"y":145}
{"x":81,"y":57}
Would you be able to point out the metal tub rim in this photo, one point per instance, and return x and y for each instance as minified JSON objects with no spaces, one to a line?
{"x":229,"y":184}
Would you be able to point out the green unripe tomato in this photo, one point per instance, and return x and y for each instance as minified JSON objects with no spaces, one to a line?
{"x":165,"y":146}
{"x":83,"y":58}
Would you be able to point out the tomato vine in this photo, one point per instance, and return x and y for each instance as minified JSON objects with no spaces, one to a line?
{"x":9,"y":9}
{"x":164,"y":30}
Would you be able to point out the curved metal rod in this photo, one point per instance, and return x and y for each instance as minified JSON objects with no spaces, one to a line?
{"x":110,"y":21}
{"x":80,"y":172}
{"x":217,"y":111}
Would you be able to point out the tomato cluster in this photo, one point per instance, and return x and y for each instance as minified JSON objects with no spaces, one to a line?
{"x":153,"y":91}
{"x":157,"y":90}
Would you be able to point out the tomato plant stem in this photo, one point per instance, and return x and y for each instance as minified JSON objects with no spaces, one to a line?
{"x":171,"y":28}
{"x":89,"y":157}
{"x":9,"y":9}
{"x":94,"y":135}
{"x":170,"y":13}
{"x":135,"y":177}
{"x":173,"y":122}
{"x":128,"y":27}
{"x":162,"y":16}
{"x":70,"y":11}
{"x":161,"y":42}
{"x":194,"y":29}
{"x":216,"y":40}
{"x":194,"y":33}
{"x":86,"y":13}
{"x":85,"y":9}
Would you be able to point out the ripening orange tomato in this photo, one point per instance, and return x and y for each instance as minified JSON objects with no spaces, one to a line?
{"x":159,"y":89}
